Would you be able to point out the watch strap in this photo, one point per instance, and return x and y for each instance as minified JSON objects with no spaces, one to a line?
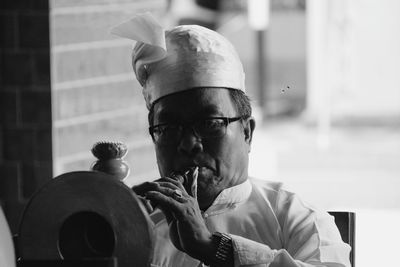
{"x":224,"y":251}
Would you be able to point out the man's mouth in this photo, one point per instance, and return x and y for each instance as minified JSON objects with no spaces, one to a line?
{"x":201,"y":168}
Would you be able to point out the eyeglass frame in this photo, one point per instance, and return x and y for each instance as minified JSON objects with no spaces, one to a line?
{"x":191,"y":124}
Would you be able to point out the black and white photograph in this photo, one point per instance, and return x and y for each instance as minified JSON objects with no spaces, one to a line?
{"x":195,"y":133}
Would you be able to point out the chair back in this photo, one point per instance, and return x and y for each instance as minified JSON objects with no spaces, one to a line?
{"x":345,"y":221}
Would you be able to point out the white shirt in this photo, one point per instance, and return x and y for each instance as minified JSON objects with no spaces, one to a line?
{"x":269,"y":226}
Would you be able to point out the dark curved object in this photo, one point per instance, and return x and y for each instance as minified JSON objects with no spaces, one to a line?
{"x":85,"y":217}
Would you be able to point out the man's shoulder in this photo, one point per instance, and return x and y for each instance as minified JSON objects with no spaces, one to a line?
{"x":280,"y":195}
{"x":265,"y":185}
{"x":272,"y":190}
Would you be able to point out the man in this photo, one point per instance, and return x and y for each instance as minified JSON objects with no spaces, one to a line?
{"x":200,"y":122}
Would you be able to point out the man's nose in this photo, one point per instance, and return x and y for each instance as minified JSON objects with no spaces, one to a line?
{"x":190,"y":144}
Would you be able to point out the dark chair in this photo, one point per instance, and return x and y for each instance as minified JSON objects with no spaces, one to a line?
{"x":345,"y":221}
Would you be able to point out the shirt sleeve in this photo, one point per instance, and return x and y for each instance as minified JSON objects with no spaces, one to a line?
{"x":309,"y":238}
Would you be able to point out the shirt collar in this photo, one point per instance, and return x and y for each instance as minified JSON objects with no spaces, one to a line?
{"x":234,"y":194}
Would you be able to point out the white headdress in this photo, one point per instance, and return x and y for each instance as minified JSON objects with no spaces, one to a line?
{"x":180,"y":59}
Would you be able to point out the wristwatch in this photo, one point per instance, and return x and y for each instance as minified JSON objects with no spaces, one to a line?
{"x":224,"y":254}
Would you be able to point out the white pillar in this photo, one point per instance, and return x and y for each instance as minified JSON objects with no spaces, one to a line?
{"x":318,"y":86}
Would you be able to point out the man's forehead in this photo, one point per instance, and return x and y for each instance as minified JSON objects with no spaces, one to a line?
{"x":204,"y":100}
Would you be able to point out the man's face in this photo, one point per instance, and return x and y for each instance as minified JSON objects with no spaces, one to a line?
{"x":222,"y":161}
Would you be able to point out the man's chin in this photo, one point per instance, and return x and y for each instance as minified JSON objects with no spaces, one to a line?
{"x":205,"y":180}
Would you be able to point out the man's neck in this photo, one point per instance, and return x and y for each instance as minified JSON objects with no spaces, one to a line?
{"x":204,"y":204}
{"x":206,"y":201}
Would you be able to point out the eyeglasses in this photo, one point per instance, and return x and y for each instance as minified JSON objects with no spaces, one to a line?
{"x":171,"y":133}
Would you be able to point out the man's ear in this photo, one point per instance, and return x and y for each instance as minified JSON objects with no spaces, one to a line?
{"x":248,"y":126}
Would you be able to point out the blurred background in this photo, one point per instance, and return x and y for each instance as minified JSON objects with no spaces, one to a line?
{"x":323,"y":76}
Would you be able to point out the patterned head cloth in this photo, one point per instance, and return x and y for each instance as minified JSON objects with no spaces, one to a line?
{"x":180,"y":59}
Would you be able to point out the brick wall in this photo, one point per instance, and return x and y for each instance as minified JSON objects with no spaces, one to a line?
{"x":25,"y":103}
{"x":66,"y":83}
{"x":95,"y":94}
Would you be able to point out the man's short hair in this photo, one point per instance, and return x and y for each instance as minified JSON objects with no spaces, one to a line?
{"x":240,"y":100}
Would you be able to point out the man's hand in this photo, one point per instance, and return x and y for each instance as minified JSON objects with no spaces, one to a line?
{"x":187,"y":228}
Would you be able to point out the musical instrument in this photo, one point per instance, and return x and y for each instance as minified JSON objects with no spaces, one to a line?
{"x":87,"y":218}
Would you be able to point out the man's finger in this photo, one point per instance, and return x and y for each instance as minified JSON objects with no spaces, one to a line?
{"x":175,"y":181}
{"x":174,"y":187}
{"x":182,"y":185}
{"x":141,"y":189}
{"x":164,"y":190}
{"x":165,"y":202}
